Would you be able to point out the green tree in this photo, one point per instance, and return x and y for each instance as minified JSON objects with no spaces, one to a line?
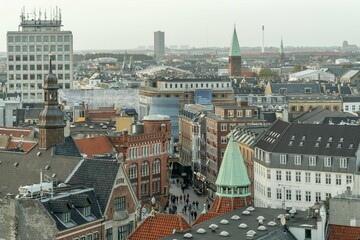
{"x":267,"y":73}
{"x":298,"y":68}
{"x":346,"y":65}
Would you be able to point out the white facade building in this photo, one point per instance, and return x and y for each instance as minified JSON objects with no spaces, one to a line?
{"x":28,"y":52}
{"x":297,"y":165}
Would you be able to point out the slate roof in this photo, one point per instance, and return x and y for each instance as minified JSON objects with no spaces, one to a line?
{"x":161,"y":225}
{"x":345,"y":90}
{"x":267,"y":141}
{"x":352,"y":98}
{"x":67,"y":149}
{"x":95,"y":145}
{"x":98,"y":174}
{"x":271,"y":232}
{"x":295,"y":88}
{"x":338,"y":71}
{"x":29,"y":166}
{"x":69,"y":202}
{"x":317,"y":115}
{"x":311,"y":139}
{"x":338,"y":232}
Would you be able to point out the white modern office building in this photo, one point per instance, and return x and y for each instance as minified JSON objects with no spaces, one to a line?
{"x":28,"y":51}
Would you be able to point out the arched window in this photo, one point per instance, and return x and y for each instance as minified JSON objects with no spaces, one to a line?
{"x":156,"y":166}
{"x":145,"y":169}
{"x":133,"y":171}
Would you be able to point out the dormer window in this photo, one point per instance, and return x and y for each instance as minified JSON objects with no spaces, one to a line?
{"x":351,"y":146}
{"x":341,"y":140}
{"x":319,"y":139}
{"x":330,"y":139}
{"x":293,"y":137}
{"x":303,"y":138}
{"x":65,"y":217}
{"x":86,"y":211}
{"x":317,"y":144}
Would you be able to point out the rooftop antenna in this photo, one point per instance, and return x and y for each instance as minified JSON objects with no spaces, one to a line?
{"x":34,"y":14}
{"x":39,"y":14}
{"x":45,"y":17}
{"x":263,"y":39}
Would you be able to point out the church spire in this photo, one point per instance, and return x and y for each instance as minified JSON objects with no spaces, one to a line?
{"x":235,"y":47}
{"x":281,"y":50}
{"x":233,"y":180}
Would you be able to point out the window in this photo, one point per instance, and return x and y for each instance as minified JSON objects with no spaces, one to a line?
{"x":298,"y":195}
{"x":282,"y":159}
{"x":307,"y":233}
{"x":156,"y":166}
{"x":144,"y":189}
{"x":288,"y":194}
{"x":288,"y":176}
{"x":348,"y":179}
{"x":145,"y":169}
{"x":109,"y":235}
{"x":133,"y":171}
{"x":269,"y":192}
{"x":86,"y":211}
{"x":298,"y":176}
{"x":125,"y":230}
{"x":317,"y":177}
{"x":297,"y":160}
{"x":65,"y":217}
{"x":338,"y":179}
{"x":317,"y":196}
{"x":89,"y":237}
{"x":278,"y":193}
{"x":307,"y":177}
{"x":278,"y":175}
{"x":327,"y":178}
{"x":312,"y":161}
{"x":156,"y":186}
{"x":327,"y":162}
{"x":119,"y":203}
{"x":223,"y":127}
{"x":308,"y":196}
{"x":239,"y":113}
{"x":223,"y":140}
{"x":343,"y":162}
{"x":268,"y":173}
{"x":96,"y":236}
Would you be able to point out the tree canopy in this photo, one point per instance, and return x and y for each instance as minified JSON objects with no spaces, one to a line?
{"x":267,"y":73}
{"x":298,"y":68}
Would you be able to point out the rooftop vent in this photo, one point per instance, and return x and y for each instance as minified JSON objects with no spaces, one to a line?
{"x":224,"y":222}
{"x":351,"y":146}
{"x":243,"y":225}
{"x":201,"y":231}
{"x":319,"y":139}
{"x":251,"y":209}
{"x":328,"y":145}
{"x":54,"y":175}
{"x":235,"y":217}
{"x":38,"y":154}
{"x":317,"y":144}
{"x":246,"y":212}
{"x":47,"y":167}
{"x":339,"y":145}
{"x":330,"y":139}
{"x":290,"y":143}
{"x":188,"y":235}
{"x":301,"y":144}
{"x":293,"y":137}
{"x":16,"y":164}
{"x":261,"y":228}
{"x":271,"y":223}
{"x":341,"y":140}
{"x":224,"y":234}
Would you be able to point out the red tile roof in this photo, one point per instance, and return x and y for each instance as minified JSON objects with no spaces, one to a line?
{"x":223,"y":205}
{"x":15,"y":132}
{"x":338,"y":232}
{"x":154,"y":228}
{"x":247,"y":74}
{"x":95,"y":145}
{"x":25,"y":146}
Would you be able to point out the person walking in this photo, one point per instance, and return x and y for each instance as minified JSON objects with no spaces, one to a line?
{"x":195,"y":215}
{"x":197,"y":204}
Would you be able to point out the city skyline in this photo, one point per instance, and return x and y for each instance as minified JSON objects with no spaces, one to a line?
{"x":129,"y":24}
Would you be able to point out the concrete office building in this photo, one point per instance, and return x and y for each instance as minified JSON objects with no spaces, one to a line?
{"x":159,"y":44}
{"x":28,"y":52}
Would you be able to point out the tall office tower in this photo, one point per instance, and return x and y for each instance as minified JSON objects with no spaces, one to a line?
{"x":28,"y":52}
{"x":234,"y":65}
{"x":159,"y":44}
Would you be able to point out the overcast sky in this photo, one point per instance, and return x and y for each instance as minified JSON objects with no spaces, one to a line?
{"x":127,"y":24}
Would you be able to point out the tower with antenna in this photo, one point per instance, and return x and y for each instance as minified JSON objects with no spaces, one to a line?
{"x":263,"y":39}
{"x":29,"y":47}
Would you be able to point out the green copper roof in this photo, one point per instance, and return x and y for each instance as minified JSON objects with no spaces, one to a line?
{"x":232,"y":171}
{"x":281,"y":50}
{"x":235,"y":47}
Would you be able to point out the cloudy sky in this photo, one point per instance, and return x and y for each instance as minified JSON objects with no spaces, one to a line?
{"x":127,"y":24}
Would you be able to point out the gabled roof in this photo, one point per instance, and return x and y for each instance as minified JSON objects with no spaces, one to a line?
{"x":232,"y":171}
{"x":272,"y":136}
{"x":295,"y":88}
{"x":235,"y":47}
{"x":158,"y":226}
{"x":67,"y":149}
{"x":28,"y":166}
{"x":317,"y":115}
{"x":69,"y":202}
{"x":16,"y":132}
{"x":350,"y":74}
{"x":98,"y":174}
{"x":95,"y":145}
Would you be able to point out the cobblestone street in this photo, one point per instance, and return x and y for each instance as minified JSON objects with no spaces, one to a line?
{"x":175,"y":189}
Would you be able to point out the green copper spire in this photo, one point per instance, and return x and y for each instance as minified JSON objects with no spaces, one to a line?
{"x":235,"y":47}
{"x":281,"y":50}
{"x":233,"y":180}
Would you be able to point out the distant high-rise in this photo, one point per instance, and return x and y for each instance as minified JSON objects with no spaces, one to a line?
{"x":234,"y":57}
{"x":159,"y":44}
{"x":282,"y":53}
{"x":28,"y":55}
